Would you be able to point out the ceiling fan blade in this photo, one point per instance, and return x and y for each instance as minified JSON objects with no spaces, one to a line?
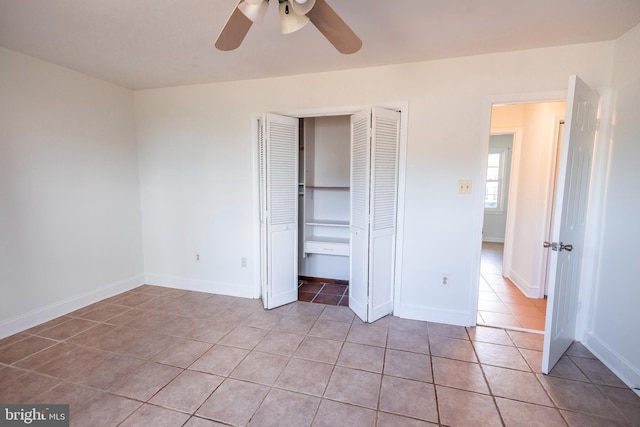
{"x":334,"y":28}
{"x":234,"y":30}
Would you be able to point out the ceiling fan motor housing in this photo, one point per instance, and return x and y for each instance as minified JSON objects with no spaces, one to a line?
{"x":318,"y":12}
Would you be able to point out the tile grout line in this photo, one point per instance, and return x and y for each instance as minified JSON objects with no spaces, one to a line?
{"x":317,"y":293}
{"x":484,"y":376}
{"x":433,"y":378}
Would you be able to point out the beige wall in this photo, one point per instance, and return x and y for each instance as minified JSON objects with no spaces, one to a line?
{"x":610,"y":324}
{"x":507,"y":116}
{"x":70,"y":231}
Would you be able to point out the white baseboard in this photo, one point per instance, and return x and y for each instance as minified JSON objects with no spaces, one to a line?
{"x":40,"y":315}
{"x":493,"y":239}
{"x":620,"y":366}
{"x":431,"y":314}
{"x":219,"y":288}
{"x":525,"y":287}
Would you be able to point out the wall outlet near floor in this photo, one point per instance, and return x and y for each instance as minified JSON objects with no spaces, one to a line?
{"x":197,"y":257}
{"x":445,"y":280}
{"x":243,"y":262}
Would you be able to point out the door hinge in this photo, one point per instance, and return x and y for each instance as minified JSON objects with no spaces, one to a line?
{"x":558,"y":247}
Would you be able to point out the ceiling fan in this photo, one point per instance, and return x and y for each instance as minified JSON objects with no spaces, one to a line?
{"x":294,"y":14}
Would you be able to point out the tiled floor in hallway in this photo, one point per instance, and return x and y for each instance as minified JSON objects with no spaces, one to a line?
{"x":500,"y":302}
{"x":167,"y":357}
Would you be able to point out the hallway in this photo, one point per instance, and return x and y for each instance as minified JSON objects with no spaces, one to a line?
{"x":500,"y":302}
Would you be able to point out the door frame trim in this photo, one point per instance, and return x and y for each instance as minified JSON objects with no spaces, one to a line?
{"x":485,"y":129}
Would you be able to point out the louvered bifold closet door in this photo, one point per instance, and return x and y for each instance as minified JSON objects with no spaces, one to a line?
{"x":359,"y":217}
{"x":262,"y":185}
{"x":382,"y":235}
{"x":281,"y":159}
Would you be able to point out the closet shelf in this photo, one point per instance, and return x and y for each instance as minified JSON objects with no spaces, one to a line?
{"x":320,"y":187}
{"x":327,"y":222}
{"x":327,"y":245}
{"x":326,"y":239}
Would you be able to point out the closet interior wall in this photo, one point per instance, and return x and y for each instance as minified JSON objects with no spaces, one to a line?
{"x":324,"y":197}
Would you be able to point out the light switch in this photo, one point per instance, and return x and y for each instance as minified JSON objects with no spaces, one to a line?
{"x":464,"y":186}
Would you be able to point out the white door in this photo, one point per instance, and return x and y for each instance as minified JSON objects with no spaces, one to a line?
{"x":278,"y":140}
{"x":569,"y":220}
{"x":359,"y":213}
{"x":385,"y":137}
{"x":375,"y":138}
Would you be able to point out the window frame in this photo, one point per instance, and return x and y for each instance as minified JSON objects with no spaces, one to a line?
{"x":500,"y":196}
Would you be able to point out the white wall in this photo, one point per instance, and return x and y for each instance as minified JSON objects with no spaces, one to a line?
{"x":70,"y":230}
{"x":611,"y":330}
{"x":198,"y":182}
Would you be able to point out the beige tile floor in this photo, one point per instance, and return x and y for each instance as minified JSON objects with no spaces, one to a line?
{"x":500,"y":302}
{"x":156,"y":356}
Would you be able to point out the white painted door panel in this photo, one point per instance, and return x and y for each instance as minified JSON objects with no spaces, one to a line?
{"x":382,"y":233}
{"x":569,"y":220}
{"x":262,"y":160}
{"x":374,"y":171}
{"x":359,"y":213}
{"x":280,"y":215}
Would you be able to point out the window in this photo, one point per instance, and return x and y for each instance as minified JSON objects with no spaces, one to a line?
{"x":495,"y":177}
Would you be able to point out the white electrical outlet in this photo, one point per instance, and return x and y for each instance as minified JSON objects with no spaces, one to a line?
{"x":464,"y":186}
{"x":197,"y":257}
{"x":445,"y":280}
{"x":243,"y":262}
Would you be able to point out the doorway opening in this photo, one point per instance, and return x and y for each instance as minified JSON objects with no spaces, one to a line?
{"x":500,"y":302}
{"x":338,"y":208}
{"x":324,"y":209}
{"x":520,"y":188}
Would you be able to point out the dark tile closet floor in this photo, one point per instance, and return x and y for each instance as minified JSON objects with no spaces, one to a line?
{"x":323,"y":291}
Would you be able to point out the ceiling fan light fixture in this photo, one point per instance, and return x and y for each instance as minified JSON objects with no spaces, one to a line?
{"x":255,"y":10}
{"x":301,"y":7}
{"x":289,"y":20}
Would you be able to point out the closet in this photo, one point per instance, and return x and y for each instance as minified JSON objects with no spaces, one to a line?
{"x":324,"y":197}
{"x":328,"y":196}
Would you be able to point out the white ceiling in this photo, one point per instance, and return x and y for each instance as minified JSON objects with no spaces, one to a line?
{"x":157,"y":43}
